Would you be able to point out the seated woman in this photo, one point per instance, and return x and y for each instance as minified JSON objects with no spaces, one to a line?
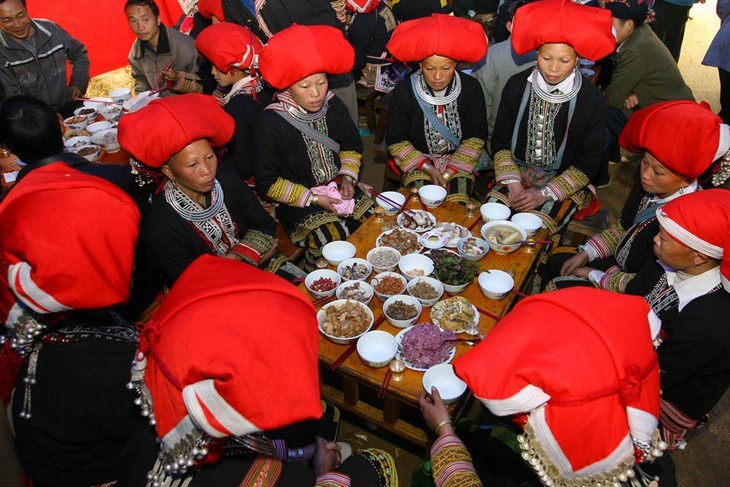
{"x":688,"y":289}
{"x":571,"y":375}
{"x":308,"y":150}
{"x":201,"y":209}
{"x":669,"y":169}
{"x":233,"y":50}
{"x":436,"y":125}
{"x":206,"y":393}
{"x":549,"y":133}
{"x":66,"y":360}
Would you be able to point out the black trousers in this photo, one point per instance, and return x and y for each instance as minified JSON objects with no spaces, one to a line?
{"x":724,"y":95}
{"x":668,"y":25}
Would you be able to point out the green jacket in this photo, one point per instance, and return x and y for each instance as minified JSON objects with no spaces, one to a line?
{"x":645,"y":67}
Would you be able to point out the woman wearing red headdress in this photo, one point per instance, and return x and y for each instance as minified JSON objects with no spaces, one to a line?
{"x":308,"y":149}
{"x":436,"y":125}
{"x":549,"y":133}
{"x":669,"y":169}
{"x":233,"y":51}
{"x":201,"y":208}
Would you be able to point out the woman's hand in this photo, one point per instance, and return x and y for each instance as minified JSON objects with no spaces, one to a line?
{"x":569,"y":266}
{"x":170,"y":75}
{"x":326,"y":456}
{"x":328,"y":203}
{"x":528,"y":199}
{"x":435,"y":413}
{"x":347,"y":190}
{"x":436,"y":177}
{"x":514,"y":191}
{"x":631,"y":101}
{"x":583,"y":272}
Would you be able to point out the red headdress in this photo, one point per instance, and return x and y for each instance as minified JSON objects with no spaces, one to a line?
{"x":228,"y":45}
{"x":210,"y":9}
{"x":362,"y":6}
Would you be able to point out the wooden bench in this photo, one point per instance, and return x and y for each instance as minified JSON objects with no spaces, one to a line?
{"x":578,"y":231}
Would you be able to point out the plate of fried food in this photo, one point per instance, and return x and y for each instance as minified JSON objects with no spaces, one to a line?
{"x":404,"y":241}
{"x":454,"y":314}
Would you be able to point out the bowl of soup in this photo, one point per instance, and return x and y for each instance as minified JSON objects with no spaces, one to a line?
{"x":503,"y":236}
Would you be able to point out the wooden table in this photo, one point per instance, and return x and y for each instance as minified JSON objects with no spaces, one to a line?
{"x":354,"y":391}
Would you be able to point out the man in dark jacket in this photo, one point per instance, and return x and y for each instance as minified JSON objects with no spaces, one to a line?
{"x":33,"y":54}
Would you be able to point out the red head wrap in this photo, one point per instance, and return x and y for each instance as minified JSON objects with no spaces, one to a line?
{"x":228,"y":46}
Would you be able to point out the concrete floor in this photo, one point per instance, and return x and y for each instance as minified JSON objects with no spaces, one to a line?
{"x":705,"y":462}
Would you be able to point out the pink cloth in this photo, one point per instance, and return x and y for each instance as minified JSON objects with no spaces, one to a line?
{"x":344,"y":207}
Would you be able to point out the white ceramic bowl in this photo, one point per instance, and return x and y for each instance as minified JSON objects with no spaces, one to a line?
{"x":362,"y":284}
{"x":409,"y":263}
{"x":337,"y":251}
{"x":319,"y":274}
{"x":433,"y":239}
{"x":494,"y":211}
{"x":432,"y":195}
{"x":85,"y":151}
{"x":107,"y":139}
{"x":88,"y":112}
{"x":140,"y":101}
{"x":120,"y":95}
{"x":77,"y":141}
{"x":377,"y":348}
{"x":391,"y":250}
{"x":394,"y":196}
{"x":342,"y":340}
{"x":472,"y":257}
{"x":111,"y":112}
{"x":443,"y":378}
{"x":529,"y":221}
{"x":451,"y":289}
{"x":95,"y":127}
{"x":350,"y":262}
{"x":97,"y":102}
{"x":495,"y":284}
{"x":503,"y":248}
{"x":376,"y":280}
{"x":408,"y":300}
{"x":77,"y":122}
{"x":433,"y":282}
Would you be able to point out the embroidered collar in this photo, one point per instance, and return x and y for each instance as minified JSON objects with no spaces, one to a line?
{"x":425,"y":93}
{"x":690,"y":287}
{"x":188,"y":208}
{"x":286,"y":101}
{"x":246,"y":86}
{"x":569,"y":87}
{"x":690,"y":188}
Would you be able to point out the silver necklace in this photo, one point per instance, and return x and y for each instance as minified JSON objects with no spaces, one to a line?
{"x":188,"y":208}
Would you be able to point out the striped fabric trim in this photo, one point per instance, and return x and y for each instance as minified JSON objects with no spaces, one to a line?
{"x":289,"y":193}
{"x":29,"y":292}
{"x":526,"y":399}
{"x":674,"y":424}
{"x":259,"y":243}
{"x":688,"y":238}
{"x":264,"y":472}
{"x":615,"y":280}
{"x":604,"y":244}
{"x":505,"y":167}
{"x":203,"y":393}
{"x":568,"y":183}
{"x":332,"y":479}
{"x":248,"y":254}
{"x":406,"y":156}
{"x":467,"y":155}
{"x":452,"y":464}
{"x":20,"y":62}
{"x":350,"y":164}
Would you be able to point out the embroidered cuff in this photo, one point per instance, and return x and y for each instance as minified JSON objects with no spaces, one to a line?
{"x":186,"y":83}
{"x":505,"y":167}
{"x":350,"y":164}
{"x":248,"y":254}
{"x":615,"y":280}
{"x":452,"y":464}
{"x":568,"y":183}
{"x":406,"y":156}
{"x":259,"y":242}
{"x":289,"y":193}
{"x":603,"y":244}
{"x":466,"y":157}
{"x":332,"y":479}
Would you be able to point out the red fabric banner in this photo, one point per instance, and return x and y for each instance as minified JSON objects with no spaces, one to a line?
{"x":101,"y":25}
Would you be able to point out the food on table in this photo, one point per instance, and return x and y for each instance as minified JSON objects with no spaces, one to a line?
{"x":76,"y":119}
{"x":471,"y":247}
{"x":87,"y":151}
{"x":345,"y":320}
{"x":384,"y":258}
{"x":356,"y":292}
{"x":453,"y":232}
{"x":503,"y":235}
{"x":77,"y":133}
{"x":389,"y":285}
{"x":400,"y":310}
{"x":80,"y":142}
{"x":417,"y":220}
{"x":323,"y":284}
{"x":426,"y":345}
{"x":424,"y":290}
{"x":355,"y":271}
{"x":108,"y":138}
{"x":451,"y":269}
{"x":403,"y":241}
{"x":416,"y":272}
{"x":86,"y":111}
{"x":453,"y":313}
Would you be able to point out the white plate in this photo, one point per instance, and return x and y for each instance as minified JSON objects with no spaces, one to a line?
{"x":399,"y":338}
{"x":378,"y":241}
{"x":437,"y":322}
{"x":402,"y":219}
{"x":453,"y":232}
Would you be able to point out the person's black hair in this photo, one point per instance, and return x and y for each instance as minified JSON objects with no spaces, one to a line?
{"x":30,"y":129}
{"x":143,"y":3}
{"x":513,"y":6}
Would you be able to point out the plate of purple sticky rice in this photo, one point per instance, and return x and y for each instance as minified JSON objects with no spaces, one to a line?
{"x":424,"y":345}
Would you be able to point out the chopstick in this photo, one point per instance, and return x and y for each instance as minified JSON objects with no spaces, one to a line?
{"x":95,"y":101}
{"x":394,"y":204}
{"x":475,"y":223}
{"x":383,"y":391}
{"x":486,"y":313}
{"x":336,"y":364}
{"x":520,"y":293}
{"x":158,"y":82}
{"x":472,"y":340}
{"x":322,"y":301}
